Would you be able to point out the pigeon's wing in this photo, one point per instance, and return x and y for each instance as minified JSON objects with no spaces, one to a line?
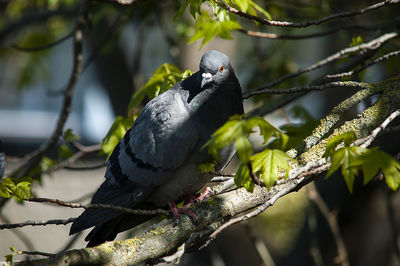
{"x":159,"y":141}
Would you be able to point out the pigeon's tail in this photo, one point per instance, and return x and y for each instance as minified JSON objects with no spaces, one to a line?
{"x":109,"y":230}
{"x":109,"y":195}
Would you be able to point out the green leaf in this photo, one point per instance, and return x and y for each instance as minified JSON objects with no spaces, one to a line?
{"x":195,"y":8}
{"x":244,"y":149}
{"x":390,"y":167}
{"x":243,"y":179}
{"x":350,"y":159}
{"x":117,"y":131}
{"x":237,"y":130}
{"x":23,"y":190}
{"x":207,"y":28}
{"x":163,"y":78}
{"x":64,"y":152}
{"x":46,"y":163}
{"x":356,"y":41}
{"x":7,"y":187}
{"x":331,"y":145}
{"x":268,"y":163}
{"x":70,"y":136}
{"x":9,"y":258}
{"x":206,"y":167}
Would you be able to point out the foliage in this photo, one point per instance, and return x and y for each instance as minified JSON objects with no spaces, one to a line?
{"x":19,"y":188}
{"x":352,"y":159}
{"x":266,"y":164}
{"x":163,"y":78}
{"x":219,"y":22}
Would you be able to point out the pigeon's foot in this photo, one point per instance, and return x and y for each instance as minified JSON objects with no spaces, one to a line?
{"x":208,"y":192}
{"x":185,"y":209}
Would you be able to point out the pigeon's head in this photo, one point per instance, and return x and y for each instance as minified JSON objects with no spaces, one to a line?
{"x":215,"y":68}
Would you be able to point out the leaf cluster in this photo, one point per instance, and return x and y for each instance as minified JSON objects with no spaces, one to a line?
{"x":19,"y":188}
{"x":353,"y":159}
{"x":218,"y":22}
{"x":265,"y":164}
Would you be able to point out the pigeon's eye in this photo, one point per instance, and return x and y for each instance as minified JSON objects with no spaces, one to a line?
{"x":221,"y":68}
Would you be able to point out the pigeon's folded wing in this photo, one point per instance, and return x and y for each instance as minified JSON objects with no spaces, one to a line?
{"x":159,"y":141}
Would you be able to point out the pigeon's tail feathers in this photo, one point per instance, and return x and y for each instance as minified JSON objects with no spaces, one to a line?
{"x":109,"y":230}
{"x":110,"y":196}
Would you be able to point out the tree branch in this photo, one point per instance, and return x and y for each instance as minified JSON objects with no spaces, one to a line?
{"x":306,"y":23}
{"x":366,"y":65}
{"x":334,"y":84}
{"x":371,"y":45}
{"x":99,"y":206}
{"x":35,"y":157}
{"x":332,"y":222}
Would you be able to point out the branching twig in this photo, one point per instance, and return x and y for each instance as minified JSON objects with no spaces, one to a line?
{"x":307,"y":23}
{"x":270,"y":35}
{"x":332,"y":222}
{"x":99,"y":206}
{"x":371,"y":45}
{"x":358,"y":70}
{"x":35,"y":157}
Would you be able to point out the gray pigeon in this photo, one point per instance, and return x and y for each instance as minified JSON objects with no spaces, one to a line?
{"x":155,"y":164}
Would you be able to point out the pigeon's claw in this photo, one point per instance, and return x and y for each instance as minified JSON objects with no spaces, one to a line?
{"x":185,"y":209}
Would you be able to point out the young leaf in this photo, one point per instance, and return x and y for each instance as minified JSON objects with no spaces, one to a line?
{"x":390,"y":167}
{"x":331,"y":145}
{"x":70,"y":136}
{"x":115,"y":134}
{"x":268,"y":163}
{"x":23,"y":190}
{"x":237,"y":130}
{"x":195,"y":8}
{"x":163,"y":78}
{"x":243,"y":179}
{"x":206,"y":167}
{"x":350,"y":159}
{"x":207,"y":28}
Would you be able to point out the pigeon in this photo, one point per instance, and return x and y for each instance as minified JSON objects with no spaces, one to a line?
{"x":157,"y":162}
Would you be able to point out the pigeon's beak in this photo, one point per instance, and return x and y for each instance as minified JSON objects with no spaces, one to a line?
{"x":206,"y":78}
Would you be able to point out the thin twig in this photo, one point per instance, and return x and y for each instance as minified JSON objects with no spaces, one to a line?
{"x":306,"y":23}
{"x":270,"y":35}
{"x":311,"y":169}
{"x":18,"y":233}
{"x":332,"y":222}
{"x":99,"y":206}
{"x":37,"y":223}
{"x":42,"y":47}
{"x":35,"y":157}
{"x":36,"y":253}
{"x":371,"y":45}
{"x":334,"y":84}
{"x":361,"y":68}
{"x":71,"y":160}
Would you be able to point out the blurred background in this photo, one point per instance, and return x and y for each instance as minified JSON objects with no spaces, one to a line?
{"x":123,"y":46}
